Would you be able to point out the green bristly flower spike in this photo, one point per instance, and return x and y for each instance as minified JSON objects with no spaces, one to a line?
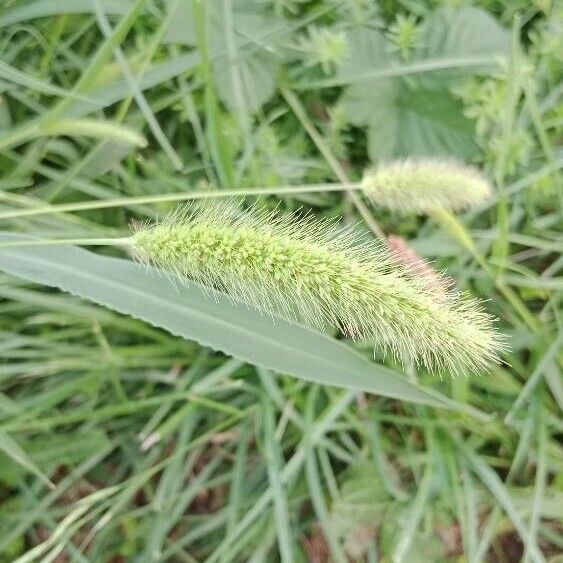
{"x":319,"y":274}
{"x":421,"y":185}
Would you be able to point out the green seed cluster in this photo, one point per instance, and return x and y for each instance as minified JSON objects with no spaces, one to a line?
{"x":319,"y":274}
{"x":420,"y":185}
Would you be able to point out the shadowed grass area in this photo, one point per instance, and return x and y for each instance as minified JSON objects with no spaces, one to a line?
{"x":122,"y":442}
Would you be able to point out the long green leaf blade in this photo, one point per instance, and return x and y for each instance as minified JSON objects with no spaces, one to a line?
{"x":211,"y":318}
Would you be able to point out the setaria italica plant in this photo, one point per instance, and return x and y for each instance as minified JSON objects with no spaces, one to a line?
{"x":421,"y":185}
{"x":317,"y":273}
{"x":314,"y":272}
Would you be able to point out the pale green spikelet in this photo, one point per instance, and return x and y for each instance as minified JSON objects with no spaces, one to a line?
{"x":314,"y":272}
{"x":420,"y":185}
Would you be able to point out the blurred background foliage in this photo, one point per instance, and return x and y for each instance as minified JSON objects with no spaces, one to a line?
{"x":101,"y":456}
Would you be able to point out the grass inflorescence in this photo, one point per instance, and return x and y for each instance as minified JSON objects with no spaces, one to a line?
{"x":318,"y":273}
{"x":419,"y":185}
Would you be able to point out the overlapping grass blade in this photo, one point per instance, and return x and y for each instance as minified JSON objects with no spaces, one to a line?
{"x":212,"y":319}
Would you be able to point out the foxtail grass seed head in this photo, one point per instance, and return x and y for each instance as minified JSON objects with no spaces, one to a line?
{"x":317,"y":273}
{"x":420,"y":185}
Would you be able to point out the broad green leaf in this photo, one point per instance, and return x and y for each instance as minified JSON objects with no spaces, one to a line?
{"x":241,"y":37}
{"x":465,"y":32}
{"x":455,"y":41}
{"x":211,"y":318}
{"x":404,"y":118}
{"x":408,"y":108}
{"x":368,"y":50}
{"x":414,"y":120}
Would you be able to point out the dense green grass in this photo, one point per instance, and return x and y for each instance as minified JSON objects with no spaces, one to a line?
{"x":122,"y":442}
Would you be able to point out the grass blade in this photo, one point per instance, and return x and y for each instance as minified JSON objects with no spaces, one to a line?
{"x":274,"y":463}
{"x":15,"y":452}
{"x":212,"y":319}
